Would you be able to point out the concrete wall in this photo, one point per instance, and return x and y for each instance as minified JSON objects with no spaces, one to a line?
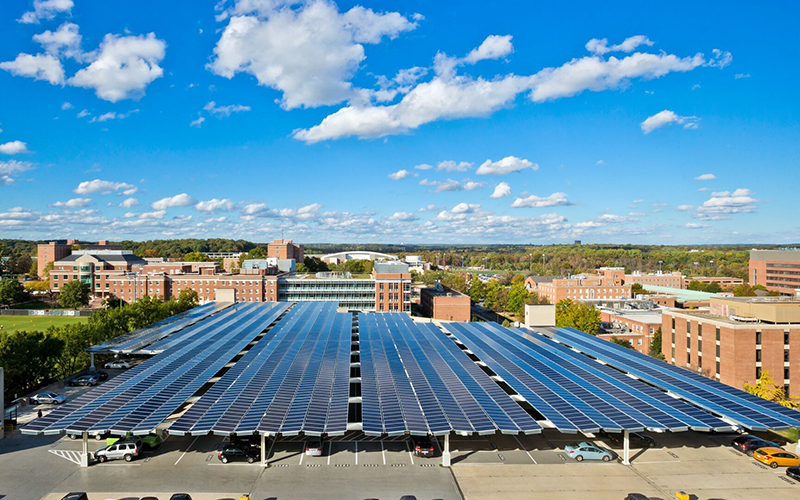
{"x":540,"y":315}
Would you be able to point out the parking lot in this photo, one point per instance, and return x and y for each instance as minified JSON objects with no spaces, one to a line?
{"x":357,"y":466}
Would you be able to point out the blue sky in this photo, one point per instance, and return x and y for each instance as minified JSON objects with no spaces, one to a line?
{"x":401,"y":122}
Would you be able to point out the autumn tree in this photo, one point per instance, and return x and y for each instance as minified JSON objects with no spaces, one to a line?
{"x":766,"y":388}
{"x":582,"y":317}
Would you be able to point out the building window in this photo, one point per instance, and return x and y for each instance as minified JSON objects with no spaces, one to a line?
{"x":758,"y":372}
{"x":673,"y":353}
{"x":786,"y":355}
{"x":786,"y":372}
{"x":699,"y":361}
{"x":688,"y":327}
{"x":673,"y":337}
{"x":758,"y":338}
{"x":785,"y":338}
{"x":717,"y":334}
{"x":673,"y":323}
{"x":688,"y":358}
{"x":717,"y":350}
{"x":717,"y":368}
{"x":699,"y":345}
{"x":758,"y":355}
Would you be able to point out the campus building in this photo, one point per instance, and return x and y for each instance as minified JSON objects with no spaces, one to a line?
{"x":607,"y":283}
{"x":342,"y":257}
{"x":445,"y":304}
{"x":50,"y":252}
{"x":722,"y":281}
{"x":737,"y":339}
{"x":284,"y":250}
{"x":778,"y":270}
{"x":672,"y":280}
{"x":636,"y":326}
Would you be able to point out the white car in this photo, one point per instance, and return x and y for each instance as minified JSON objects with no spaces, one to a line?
{"x":118,"y":364}
{"x":314,"y":448}
{"x":47,"y":398}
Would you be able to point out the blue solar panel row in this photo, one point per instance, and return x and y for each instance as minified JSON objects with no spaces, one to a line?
{"x":735,"y":405}
{"x":295,"y":379}
{"x":141,"y":398}
{"x":130,"y":342}
{"x":573,"y":391}
{"x":414,"y":380}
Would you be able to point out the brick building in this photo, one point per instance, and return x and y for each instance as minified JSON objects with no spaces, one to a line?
{"x":607,"y":284}
{"x":723,"y":281}
{"x":445,"y":304}
{"x":737,"y":339}
{"x":672,"y":280}
{"x":50,"y":252}
{"x":285,"y":249}
{"x":638,"y":327}
{"x":778,"y":270}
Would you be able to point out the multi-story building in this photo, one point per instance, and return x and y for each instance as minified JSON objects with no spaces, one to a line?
{"x":230,"y":260}
{"x":607,"y":284}
{"x":672,"y":280}
{"x":778,"y":270}
{"x":392,"y":286}
{"x":737,"y":339}
{"x":50,"y":252}
{"x":285,"y":249}
{"x":341,"y":257}
{"x":723,"y":281}
{"x":445,"y":304}
{"x":101,"y":269}
{"x":636,"y":326}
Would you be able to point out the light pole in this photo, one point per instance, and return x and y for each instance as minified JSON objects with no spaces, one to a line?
{"x":543,"y":273}
{"x":659,"y":265}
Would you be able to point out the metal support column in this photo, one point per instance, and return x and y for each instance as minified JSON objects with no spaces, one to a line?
{"x":626,"y":452}
{"x":85,"y":450}
{"x":446,"y":451}
{"x":92,"y":366}
{"x":263,"y":451}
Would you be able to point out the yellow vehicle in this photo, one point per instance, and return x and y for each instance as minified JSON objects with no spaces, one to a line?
{"x":776,"y":457}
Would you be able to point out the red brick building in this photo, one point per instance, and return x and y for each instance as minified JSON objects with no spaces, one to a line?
{"x":445,"y":304}
{"x":609,"y":283}
{"x":638,"y":327}
{"x":777,"y":270}
{"x":672,"y":280}
{"x":50,"y":252}
{"x":737,"y":339}
{"x":285,"y":249}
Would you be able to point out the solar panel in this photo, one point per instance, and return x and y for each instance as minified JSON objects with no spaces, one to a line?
{"x":735,"y":405}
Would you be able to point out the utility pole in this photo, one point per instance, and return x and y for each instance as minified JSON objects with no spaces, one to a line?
{"x":543,"y":273}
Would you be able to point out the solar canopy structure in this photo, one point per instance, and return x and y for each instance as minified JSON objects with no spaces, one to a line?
{"x":732,"y":404}
{"x":294,"y":379}
{"x":572,"y":391}
{"x":131,"y":342}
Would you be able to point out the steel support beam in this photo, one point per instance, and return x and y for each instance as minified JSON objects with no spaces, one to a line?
{"x":85,"y":449}
{"x":626,"y":451}
{"x":446,"y":451}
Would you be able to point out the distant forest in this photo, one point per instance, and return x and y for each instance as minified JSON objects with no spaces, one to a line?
{"x":711,"y":260}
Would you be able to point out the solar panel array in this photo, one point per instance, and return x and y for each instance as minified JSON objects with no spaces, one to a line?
{"x":295,"y":379}
{"x":413,"y":379}
{"x":574,"y":392}
{"x":130,"y":342}
{"x":733,"y":404}
{"x":144,"y":396}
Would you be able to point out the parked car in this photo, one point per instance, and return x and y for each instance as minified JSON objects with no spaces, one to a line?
{"x":636,"y":496}
{"x":180,"y":496}
{"x":637,"y":440}
{"x":151,"y":441}
{"x":84,"y":380}
{"x":230,"y":452}
{"x":75,"y":496}
{"x":125,"y":450}
{"x":52,"y":398}
{"x":794,"y":473}
{"x":118,"y":364}
{"x":776,"y":457}
{"x":749,"y":446}
{"x":422,"y":445}
{"x":246,"y":441}
{"x":101,"y":376}
{"x":314,"y":448}
{"x":97,"y":437}
{"x":587,"y":451}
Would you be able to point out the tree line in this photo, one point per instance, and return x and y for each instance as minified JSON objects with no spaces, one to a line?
{"x":32,"y":359}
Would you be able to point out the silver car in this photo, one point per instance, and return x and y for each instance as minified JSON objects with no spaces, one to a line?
{"x":127,"y":451}
{"x":52,"y":398}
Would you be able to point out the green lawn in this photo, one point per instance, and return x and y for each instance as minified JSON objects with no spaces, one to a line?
{"x":41,"y":323}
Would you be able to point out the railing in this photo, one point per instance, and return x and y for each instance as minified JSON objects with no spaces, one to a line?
{"x":43,"y":312}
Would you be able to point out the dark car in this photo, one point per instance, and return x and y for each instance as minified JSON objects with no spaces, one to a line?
{"x":231,"y":452}
{"x":101,"y":376}
{"x":637,"y":440}
{"x":636,"y":496}
{"x":75,"y":496}
{"x":180,"y":496}
{"x":246,"y":441}
{"x":84,"y":380}
{"x":422,"y":446}
{"x":794,"y":473}
{"x":749,"y":444}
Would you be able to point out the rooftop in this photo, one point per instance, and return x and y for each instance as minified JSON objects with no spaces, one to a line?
{"x":681,"y":294}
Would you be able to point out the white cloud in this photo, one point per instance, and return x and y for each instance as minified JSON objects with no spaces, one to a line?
{"x":684,"y":208}
{"x":39,"y":67}
{"x":600,"y":46}
{"x":158,"y":214}
{"x":73,"y":203}
{"x":105,"y":187}
{"x":198,"y":123}
{"x":309,"y":53}
{"x":8,"y":169}
{"x":254,"y":209}
{"x":64,"y":42}
{"x":723,"y":203}
{"x":472,"y":185}
{"x":720,"y":59}
{"x":224,"y":111}
{"x":695,"y":225}
{"x":401,"y":174}
{"x":113,"y":115}
{"x":427,"y":208}
{"x":45,"y":9}
{"x":600,"y":163}
{"x":214,"y":205}
{"x":505,"y":166}
{"x":667,"y":117}
{"x":452,"y":185}
{"x":83,"y":113}
{"x":179,"y":200}
{"x":603,"y":221}
{"x":533,"y":201}
{"x":403,"y":217}
{"x":705,"y":177}
{"x":451,"y":166}
{"x":493,"y":47}
{"x":449,"y":96}
{"x":13,"y":148}
{"x":66,"y":105}
{"x":423,"y":166}
{"x":703,"y":189}
{"x":129,"y":202}
{"x":739,"y":76}
{"x":501,"y":190}
{"x":123,"y":67}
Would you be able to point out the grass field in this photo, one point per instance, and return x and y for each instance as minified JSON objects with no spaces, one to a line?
{"x":40,"y":323}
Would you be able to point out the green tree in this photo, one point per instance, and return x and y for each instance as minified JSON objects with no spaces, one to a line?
{"x":582,"y":317}
{"x":713,"y":288}
{"x":766,"y":388}
{"x":496,"y":296}
{"x":476,"y":290}
{"x":195,"y":257}
{"x":656,"y":346}
{"x":622,"y":342}
{"x":517,"y":298}
{"x":187,"y":299}
{"x":74,"y":294}
{"x":46,"y":271}
{"x":28,"y":359}
{"x":637,"y":289}
{"x":12,"y":292}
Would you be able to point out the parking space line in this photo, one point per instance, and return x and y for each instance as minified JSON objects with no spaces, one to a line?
{"x":410,"y":455}
{"x":302,"y":452}
{"x":383,"y":452}
{"x":526,"y":450}
{"x":187,"y":449}
{"x":356,"y":442}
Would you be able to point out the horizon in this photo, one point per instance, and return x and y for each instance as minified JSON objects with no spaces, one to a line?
{"x":438,"y":124}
